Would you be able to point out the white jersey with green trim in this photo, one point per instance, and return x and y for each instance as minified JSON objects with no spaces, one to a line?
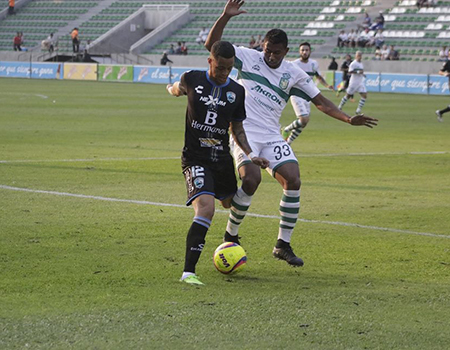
{"x":267,"y":90}
{"x":311,"y":67}
{"x":356,"y":68}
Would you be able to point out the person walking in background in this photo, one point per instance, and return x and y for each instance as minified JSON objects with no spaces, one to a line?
{"x":269,"y":80}
{"x":345,"y":76}
{"x":215,"y":105}
{"x":12,"y":4}
{"x":165,"y":59}
{"x":75,"y":40}
{"x":445,"y":72}
{"x":17,"y":42}
{"x":357,"y":83}
{"x":302,"y":107}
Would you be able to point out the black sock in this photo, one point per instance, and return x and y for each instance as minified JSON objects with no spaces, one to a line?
{"x":445,"y":110}
{"x":282,"y":244}
{"x":194,"y":245}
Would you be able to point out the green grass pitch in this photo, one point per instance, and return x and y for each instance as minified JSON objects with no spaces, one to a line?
{"x":93,"y":272}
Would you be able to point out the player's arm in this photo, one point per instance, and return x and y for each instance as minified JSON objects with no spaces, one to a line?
{"x":178,"y":88}
{"x":326,"y":106}
{"x":444,"y":73}
{"x":231,"y":9}
{"x":238,"y":132}
{"x":322,"y":80}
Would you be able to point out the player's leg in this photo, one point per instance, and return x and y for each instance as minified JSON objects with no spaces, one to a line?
{"x":200,"y":187}
{"x":350,"y":91}
{"x":440,"y":112}
{"x":302,"y":110}
{"x":284,"y":168}
{"x":361,"y":102}
{"x":250,"y":175}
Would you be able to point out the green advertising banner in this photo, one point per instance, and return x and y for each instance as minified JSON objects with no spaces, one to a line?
{"x":110,"y":72}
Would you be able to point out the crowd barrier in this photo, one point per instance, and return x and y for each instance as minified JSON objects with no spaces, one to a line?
{"x":375,"y":82}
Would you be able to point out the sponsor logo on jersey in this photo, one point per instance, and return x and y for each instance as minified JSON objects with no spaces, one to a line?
{"x":259,"y":89}
{"x":256,"y":67}
{"x":208,"y":128}
{"x":199,"y":89}
{"x":284,"y":81}
{"x":211,"y":101}
{"x":231,"y":96}
{"x":199,"y":182}
{"x":213,"y":143}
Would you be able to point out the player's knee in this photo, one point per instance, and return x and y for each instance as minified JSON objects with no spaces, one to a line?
{"x":293,"y":183}
{"x":250,"y":184}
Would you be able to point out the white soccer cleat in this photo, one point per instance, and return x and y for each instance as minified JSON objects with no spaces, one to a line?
{"x":439,"y":116}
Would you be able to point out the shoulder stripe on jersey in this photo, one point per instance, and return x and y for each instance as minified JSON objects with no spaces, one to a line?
{"x":237,"y":63}
{"x":263,"y":81}
{"x":299,"y":93}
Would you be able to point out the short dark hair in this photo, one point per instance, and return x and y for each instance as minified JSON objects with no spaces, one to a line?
{"x":276,"y":36}
{"x":223,"y":49}
{"x":305,"y":43}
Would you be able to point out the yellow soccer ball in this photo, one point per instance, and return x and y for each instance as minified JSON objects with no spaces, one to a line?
{"x":229,"y":258}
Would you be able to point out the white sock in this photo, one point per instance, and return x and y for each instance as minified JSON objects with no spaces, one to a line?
{"x":289,"y":210}
{"x":239,"y":206}
{"x":187,"y":274}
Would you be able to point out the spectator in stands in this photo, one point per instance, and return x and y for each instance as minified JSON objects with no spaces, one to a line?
{"x":367,"y":21}
{"x":379,"y":22}
{"x":178,"y":49}
{"x":252,"y":42}
{"x":75,"y":40}
{"x":202,"y":35}
{"x":184,"y":49}
{"x":17,"y":42}
{"x":377,"y":53}
{"x":342,"y":40}
{"x":171,"y":49}
{"x":258,"y":44}
{"x":379,"y":38}
{"x":385,"y":52}
{"x":49,"y":43}
{"x":364,"y":38}
{"x":333,"y":64}
{"x":165,"y":59}
{"x":443,"y":54}
{"x":12,"y":4}
{"x":351,"y":37}
{"x":393,"y":54}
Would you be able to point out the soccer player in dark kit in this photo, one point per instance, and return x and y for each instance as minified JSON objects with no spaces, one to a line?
{"x":445,"y":71}
{"x":215,"y":102}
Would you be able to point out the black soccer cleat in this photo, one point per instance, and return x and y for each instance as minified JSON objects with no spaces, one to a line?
{"x":229,"y":238}
{"x":287,"y":254}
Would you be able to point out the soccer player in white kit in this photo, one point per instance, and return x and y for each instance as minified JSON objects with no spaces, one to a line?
{"x":269,"y":81}
{"x":302,"y":107}
{"x":357,"y":83}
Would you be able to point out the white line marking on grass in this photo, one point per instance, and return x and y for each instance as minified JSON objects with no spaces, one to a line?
{"x":84,"y":160}
{"x":41,"y":96}
{"x":179,"y":157}
{"x":109,"y":199}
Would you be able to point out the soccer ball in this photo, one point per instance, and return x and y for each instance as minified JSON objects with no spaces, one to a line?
{"x":229,"y":258}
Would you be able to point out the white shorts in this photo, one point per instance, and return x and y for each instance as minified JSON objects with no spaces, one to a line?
{"x":273,"y":148}
{"x":359,"y":88}
{"x":302,"y":108}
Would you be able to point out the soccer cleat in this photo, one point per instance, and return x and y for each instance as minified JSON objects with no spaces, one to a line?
{"x":358,"y":111}
{"x":229,"y":238}
{"x":439,"y":116}
{"x":193,"y":280}
{"x":285,"y":134}
{"x":287,"y":254}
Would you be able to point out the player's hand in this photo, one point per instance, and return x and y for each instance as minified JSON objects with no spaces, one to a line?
{"x":233,"y":8}
{"x":331,"y":87}
{"x":261,"y":162}
{"x":361,"y":119}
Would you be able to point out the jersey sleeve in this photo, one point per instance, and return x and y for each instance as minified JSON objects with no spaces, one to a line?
{"x":184,"y":81}
{"x":351,"y":67}
{"x":242,"y":54}
{"x":239,"y":113}
{"x":316,"y":69}
{"x":304,"y":87}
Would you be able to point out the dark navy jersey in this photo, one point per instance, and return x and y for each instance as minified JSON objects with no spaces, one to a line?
{"x":209,"y":112}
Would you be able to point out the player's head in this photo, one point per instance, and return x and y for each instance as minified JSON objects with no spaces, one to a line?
{"x":348,"y":57}
{"x":275,"y":47}
{"x":358,"y":56}
{"x":305,"y":50}
{"x":221,"y":61}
